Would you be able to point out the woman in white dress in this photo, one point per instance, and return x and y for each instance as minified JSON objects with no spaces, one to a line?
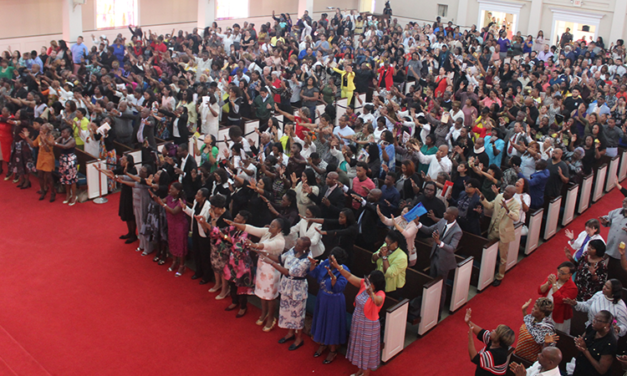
{"x":272,"y":242}
{"x":538,"y":44}
{"x":210,"y":116}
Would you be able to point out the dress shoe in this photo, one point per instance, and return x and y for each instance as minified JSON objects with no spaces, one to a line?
{"x":131,"y":240}
{"x":53,"y":196}
{"x":240,"y":315}
{"x":496,"y":283}
{"x":231,"y":307}
{"x":283,"y":340}
{"x":125,"y":236}
{"x":195,"y":276}
{"x":332,"y":356}
{"x":294,"y":346}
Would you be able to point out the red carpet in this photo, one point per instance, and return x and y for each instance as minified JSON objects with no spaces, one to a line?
{"x":77,"y":301}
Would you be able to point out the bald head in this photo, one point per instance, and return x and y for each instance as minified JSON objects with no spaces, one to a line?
{"x":550,"y":358}
{"x":332,"y":178}
{"x":374,"y":195}
{"x":509,"y":192}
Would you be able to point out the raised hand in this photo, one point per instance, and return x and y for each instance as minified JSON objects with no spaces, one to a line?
{"x":569,"y":234}
{"x":526,"y":305}
{"x":468,"y":315}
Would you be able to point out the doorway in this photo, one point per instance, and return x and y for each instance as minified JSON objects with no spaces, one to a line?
{"x":578,"y":30}
{"x":496,"y":20}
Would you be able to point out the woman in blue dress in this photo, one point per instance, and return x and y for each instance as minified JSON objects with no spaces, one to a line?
{"x":329,"y":319}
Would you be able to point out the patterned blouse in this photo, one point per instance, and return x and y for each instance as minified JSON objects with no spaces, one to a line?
{"x":294,"y":286}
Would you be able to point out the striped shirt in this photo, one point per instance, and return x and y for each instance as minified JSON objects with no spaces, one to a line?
{"x":490,"y":361}
{"x":600,"y":302}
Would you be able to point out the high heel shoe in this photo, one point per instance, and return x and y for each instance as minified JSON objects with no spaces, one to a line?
{"x":73,"y":201}
{"x":67,"y":199}
{"x":53,"y":196}
{"x":155,"y":259}
{"x":260,"y":321}
{"x":267,"y":329}
{"x":161,"y":262}
{"x":43,"y":195}
{"x":8,"y":177}
{"x":180,"y":272}
{"x":25,"y":185}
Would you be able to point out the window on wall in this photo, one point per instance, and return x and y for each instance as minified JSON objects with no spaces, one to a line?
{"x":442,"y":10}
{"x":226,"y":9}
{"x":115,"y":13}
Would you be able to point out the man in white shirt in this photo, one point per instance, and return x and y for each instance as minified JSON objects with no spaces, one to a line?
{"x":618,"y":69}
{"x":437,"y":162}
{"x":203,"y":63}
{"x":343,"y":130}
{"x":547,"y":364}
{"x":546,"y":54}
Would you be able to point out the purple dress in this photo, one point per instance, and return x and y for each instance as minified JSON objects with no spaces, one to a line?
{"x":178,"y":227}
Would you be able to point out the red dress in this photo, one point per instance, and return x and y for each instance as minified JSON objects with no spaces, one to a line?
{"x":441,"y":87}
{"x":6,"y":138}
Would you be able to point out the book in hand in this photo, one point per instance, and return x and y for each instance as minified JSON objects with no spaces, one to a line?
{"x":415,"y":212}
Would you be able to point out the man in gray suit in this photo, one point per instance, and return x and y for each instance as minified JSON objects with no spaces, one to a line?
{"x":123,"y":124}
{"x":446,"y":235}
{"x":145,"y":129}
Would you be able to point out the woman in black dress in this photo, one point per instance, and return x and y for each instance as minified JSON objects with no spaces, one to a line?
{"x":125,"y":211}
{"x":343,"y":230}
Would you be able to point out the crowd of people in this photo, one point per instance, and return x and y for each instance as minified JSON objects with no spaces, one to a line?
{"x":470,"y":127}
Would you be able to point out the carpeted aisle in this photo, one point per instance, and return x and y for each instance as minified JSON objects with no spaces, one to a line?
{"x":81,"y":302}
{"x":77,"y":301}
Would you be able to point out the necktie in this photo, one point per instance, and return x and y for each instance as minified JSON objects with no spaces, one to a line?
{"x":443,"y":232}
{"x":512,"y":143}
{"x":583,"y":246}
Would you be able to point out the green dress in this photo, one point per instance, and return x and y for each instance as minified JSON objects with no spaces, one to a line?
{"x":6,"y":73}
{"x":204,"y":156}
{"x":426,"y":151}
{"x":327,"y":94}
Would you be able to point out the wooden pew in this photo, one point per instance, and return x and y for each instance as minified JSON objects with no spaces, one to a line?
{"x":120,"y":149}
{"x":552,"y":217}
{"x":395,"y":329}
{"x":622,"y":171}
{"x":566,"y":344}
{"x":599,"y":182}
{"x":514,"y":247}
{"x":533,"y":236}
{"x":570,"y":203}
{"x":417,"y":285}
{"x":457,"y":291}
{"x":612,"y":174}
{"x":485,"y":253}
{"x":584,"y":194}
{"x":516,"y":359}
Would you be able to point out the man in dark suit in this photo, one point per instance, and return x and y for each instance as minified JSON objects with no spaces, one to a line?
{"x":367,"y":219}
{"x":446,"y":235}
{"x":330,"y":199}
{"x":187,"y":172}
{"x":145,"y":129}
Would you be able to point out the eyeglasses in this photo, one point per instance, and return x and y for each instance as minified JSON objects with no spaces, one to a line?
{"x":595,"y":320}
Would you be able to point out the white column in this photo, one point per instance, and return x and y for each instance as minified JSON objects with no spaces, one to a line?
{"x":462,"y":14}
{"x":305,"y":5}
{"x":206,"y":13}
{"x":618,"y":20}
{"x":72,"y":21}
{"x":365,"y":6}
{"x":535,"y":15}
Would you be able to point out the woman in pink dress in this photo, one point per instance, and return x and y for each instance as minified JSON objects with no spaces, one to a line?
{"x":178,"y":226}
{"x":6,"y":138}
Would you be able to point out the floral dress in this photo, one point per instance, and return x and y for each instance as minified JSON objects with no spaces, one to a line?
{"x":238,"y":268}
{"x":583,"y":279}
{"x":293,"y":290}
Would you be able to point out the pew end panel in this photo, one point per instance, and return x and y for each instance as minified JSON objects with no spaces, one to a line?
{"x":533,"y":236}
